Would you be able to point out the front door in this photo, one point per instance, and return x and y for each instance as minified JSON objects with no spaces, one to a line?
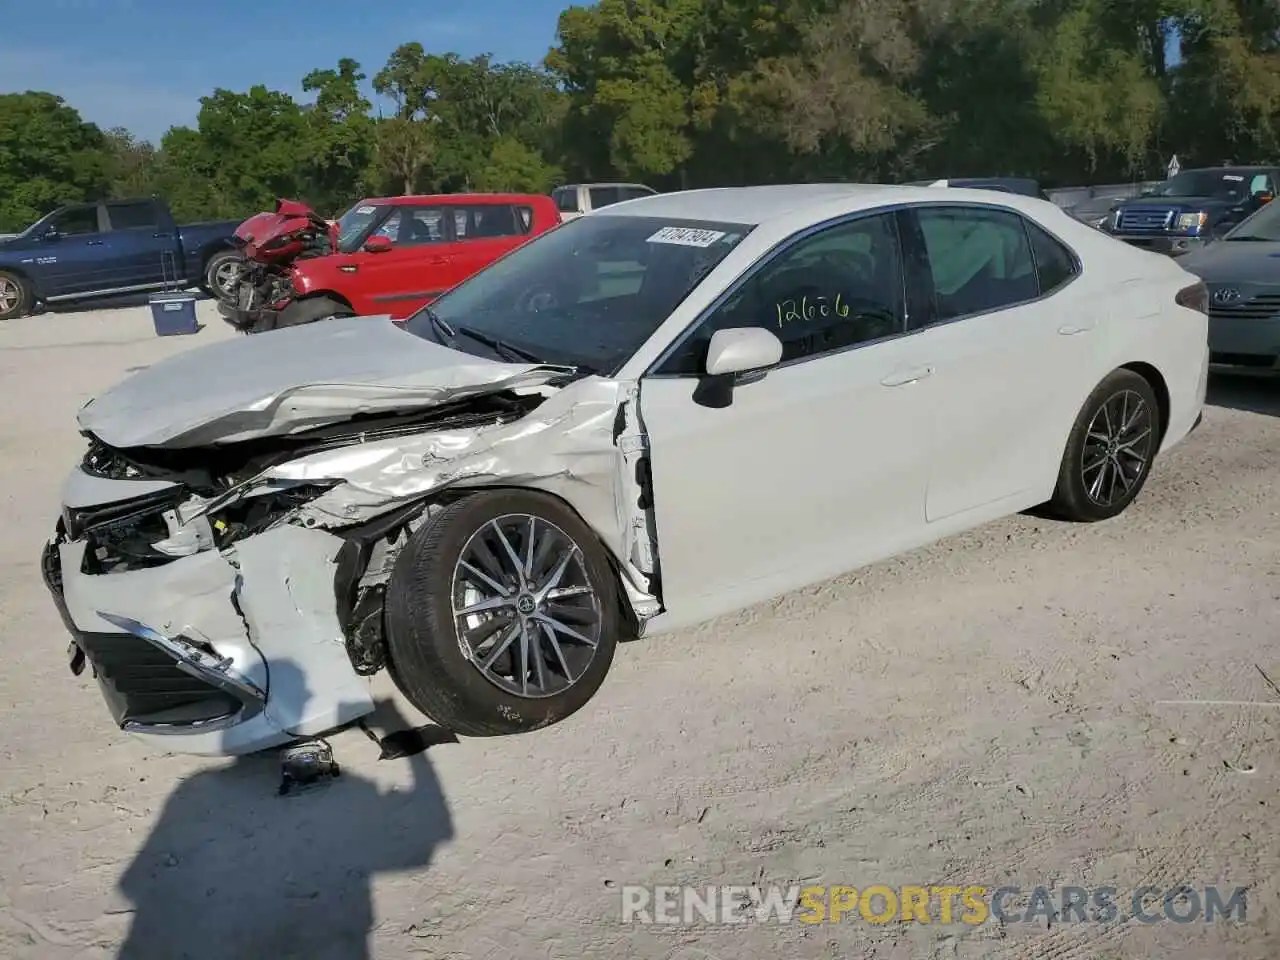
{"x":1010,"y":348}
{"x":815,"y":468}
{"x":416,"y":269}
{"x":74,"y":259}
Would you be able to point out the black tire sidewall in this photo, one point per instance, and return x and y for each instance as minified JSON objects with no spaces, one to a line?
{"x":24,"y":296}
{"x":215,"y":261}
{"x":426,"y":661}
{"x":310,"y":310}
{"x":1071,"y":499}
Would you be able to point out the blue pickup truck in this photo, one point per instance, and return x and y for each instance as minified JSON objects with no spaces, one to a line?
{"x":90,"y":250}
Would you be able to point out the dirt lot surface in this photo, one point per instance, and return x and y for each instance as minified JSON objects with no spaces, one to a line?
{"x":1000,"y":709}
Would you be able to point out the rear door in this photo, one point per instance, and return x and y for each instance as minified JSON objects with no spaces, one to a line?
{"x":73,"y":259}
{"x":416,"y":269}
{"x":485,"y":232}
{"x":141,"y":244}
{"x":1008,"y":339}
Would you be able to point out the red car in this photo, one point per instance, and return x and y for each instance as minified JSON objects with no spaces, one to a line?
{"x":384,"y":255}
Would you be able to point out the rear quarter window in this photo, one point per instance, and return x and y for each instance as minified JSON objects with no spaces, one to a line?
{"x":1055,"y":264}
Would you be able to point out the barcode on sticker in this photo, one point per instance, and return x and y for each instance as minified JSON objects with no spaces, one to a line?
{"x":686,"y":236}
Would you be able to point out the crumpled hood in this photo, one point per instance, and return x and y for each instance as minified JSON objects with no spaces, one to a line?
{"x":280,"y":235}
{"x":1235,"y":261}
{"x":290,"y":380}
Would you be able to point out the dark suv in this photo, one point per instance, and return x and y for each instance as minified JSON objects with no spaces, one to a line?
{"x":1192,"y":208}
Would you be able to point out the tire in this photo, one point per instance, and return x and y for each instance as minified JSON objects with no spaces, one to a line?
{"x":1091,"y":487}
{"x":15,"y":296}
{"x":219,"y":279}
{"x":427,"y":660}
{"x":309,"y":310}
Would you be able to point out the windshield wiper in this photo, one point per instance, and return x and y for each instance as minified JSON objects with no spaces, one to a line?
{"x":442,"y":329}
{"x":501,"y":347}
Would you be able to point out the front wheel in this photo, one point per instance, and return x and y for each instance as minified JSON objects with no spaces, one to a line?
{"x":222,"y":275}
{"x":1110,"y":450}
{"x":15,"y":296}
{"x":502,"y":614}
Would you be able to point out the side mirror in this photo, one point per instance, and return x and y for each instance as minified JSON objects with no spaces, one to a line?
{"x":377,"y":245}
{"x":742,"y":349}
{"x":731,"y":354}
{"x":52,"y":234}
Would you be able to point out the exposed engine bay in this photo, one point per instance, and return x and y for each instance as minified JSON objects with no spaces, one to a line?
{"x":270,"y":243}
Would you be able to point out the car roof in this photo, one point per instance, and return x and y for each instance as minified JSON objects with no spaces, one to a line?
{"x":755,"y":206}
{"x":453,"y":199}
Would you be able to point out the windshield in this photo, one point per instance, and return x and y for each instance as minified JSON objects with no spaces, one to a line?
{"x":587,"y":294}
{"x":353,"y":223}
{"x":1219,"y":184}
{"x":1263,"y":225}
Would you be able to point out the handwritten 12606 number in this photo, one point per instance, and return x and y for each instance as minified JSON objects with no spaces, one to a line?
{"x":791,"y":311}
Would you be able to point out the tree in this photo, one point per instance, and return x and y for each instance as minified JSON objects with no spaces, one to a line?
{"x":48,"y":156}
{"x":341,"y":144}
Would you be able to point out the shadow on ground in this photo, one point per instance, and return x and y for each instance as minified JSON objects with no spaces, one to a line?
{"x":1247,"y":390}
{"x":232,"y":869}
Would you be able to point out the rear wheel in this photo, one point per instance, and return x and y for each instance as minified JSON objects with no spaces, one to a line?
{"x":222,"y":275}
{"x":1109,"y":451}
{"x":502,"y":614}
{"x":15,"y":296}
{"x":309,"y":310}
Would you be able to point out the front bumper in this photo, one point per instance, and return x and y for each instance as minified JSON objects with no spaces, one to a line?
{"x":247,"y":320}
{"x":1242,"y":341}
{"x":1170,"y":246}
{"x":201,"y":656}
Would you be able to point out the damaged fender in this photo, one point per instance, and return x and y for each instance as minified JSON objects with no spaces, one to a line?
{"x":581,"y":445}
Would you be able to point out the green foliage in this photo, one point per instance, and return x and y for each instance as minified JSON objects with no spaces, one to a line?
{"x":684,"y":93}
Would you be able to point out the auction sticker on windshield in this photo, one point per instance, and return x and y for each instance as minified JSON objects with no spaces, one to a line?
{"x":365,"y":210}
{"x":686,"y":236}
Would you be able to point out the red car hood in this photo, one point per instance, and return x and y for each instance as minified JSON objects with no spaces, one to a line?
{"x":280,"y":236}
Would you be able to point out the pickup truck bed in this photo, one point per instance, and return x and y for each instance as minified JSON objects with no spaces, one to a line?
{"x":91,"y":250}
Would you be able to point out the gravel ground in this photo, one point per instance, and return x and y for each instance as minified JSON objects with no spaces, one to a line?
{"x":994,"y":710}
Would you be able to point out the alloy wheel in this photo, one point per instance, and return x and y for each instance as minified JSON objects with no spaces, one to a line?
{"x":526,"y":613}
{"x":226,"y":276}
{"x":1117,"y":448}
{"x":10,"y":295}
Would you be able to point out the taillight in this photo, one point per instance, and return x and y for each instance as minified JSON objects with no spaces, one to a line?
{"x":1194,"y":297}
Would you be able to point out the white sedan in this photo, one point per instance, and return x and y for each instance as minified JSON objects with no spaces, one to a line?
{"x":661,"y":412}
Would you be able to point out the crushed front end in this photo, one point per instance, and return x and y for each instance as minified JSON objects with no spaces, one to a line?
{"x":216,"y":619}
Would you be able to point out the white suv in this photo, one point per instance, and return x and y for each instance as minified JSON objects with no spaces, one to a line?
{"x":575,"y":199}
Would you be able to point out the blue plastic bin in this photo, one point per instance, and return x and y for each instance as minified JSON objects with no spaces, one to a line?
{"x":174,"y":314}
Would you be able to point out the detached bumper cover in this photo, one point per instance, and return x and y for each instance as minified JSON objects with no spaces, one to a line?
{"x":246,"y":319}
{"x":210,"y":658}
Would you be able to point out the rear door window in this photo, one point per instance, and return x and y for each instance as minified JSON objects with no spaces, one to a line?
{"x":604,"y":196}
{"x":133,"y":216}
{"x":980,"y":260}
{"x":487,"y":222}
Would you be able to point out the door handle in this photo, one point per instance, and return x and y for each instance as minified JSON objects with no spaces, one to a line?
{"x":162,"y":236}
{"x":438,"y":260}
{"x":93,"y":243}
{"x":1070,"y":330}
{"x":903,"y":377}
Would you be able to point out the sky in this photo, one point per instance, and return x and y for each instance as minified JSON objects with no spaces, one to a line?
{"x":144,"y":64}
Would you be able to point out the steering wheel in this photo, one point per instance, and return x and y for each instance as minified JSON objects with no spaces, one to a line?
{"x":849,"y":262}
{"x":537,"y":299}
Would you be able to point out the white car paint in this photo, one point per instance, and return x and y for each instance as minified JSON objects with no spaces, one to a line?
{"x":815,"y":468}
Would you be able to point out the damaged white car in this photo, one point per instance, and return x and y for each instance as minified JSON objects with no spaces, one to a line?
{"x":658,"y":413}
